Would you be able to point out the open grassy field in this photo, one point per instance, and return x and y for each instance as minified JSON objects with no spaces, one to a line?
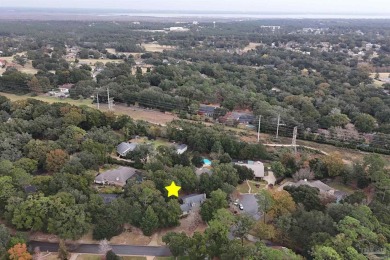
{"x":136,"y":55}
{"x":381,"y":76}
{"x":27,"y":68}
{"x":136,"y":113}
{"x":49,"y":99}
{"x":154,"y":47}
{"x":251,"y":46}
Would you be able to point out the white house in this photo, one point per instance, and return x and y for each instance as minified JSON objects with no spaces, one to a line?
{"x":180,"y":149}
{"x":65,"y":88}
{"x":178,"y":29}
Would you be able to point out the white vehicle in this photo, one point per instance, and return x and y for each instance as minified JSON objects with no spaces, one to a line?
{"x":235,"y":203}
{"x":241,"y":207}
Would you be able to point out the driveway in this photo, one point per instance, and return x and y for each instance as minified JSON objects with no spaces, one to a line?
{"x":250,"y":205}
{"x":270,"y":178}
{"x":118,"y":249}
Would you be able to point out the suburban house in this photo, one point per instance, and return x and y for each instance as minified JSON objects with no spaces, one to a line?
{"x":117,"y":177}
{"x":206,"y":110}
{"x":65,"y":88}
{"x":178,"y":29}
{"x":124,"y":148}
{"x":191,"y":202}
{"x":181,"y":148}
{"x":322,"y":187}
{"x":232,"y":118}
{"x":257,"y":168}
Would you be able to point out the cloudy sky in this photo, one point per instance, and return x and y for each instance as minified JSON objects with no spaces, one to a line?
{"x":291,"y":6}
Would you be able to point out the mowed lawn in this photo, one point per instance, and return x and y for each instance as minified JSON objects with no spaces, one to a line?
{"x":14,"y":97}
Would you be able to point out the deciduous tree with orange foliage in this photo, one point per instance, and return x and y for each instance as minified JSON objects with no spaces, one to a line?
{"x":282,"y":204}
{"x":19,"y":252}
{"x":56,"y":159}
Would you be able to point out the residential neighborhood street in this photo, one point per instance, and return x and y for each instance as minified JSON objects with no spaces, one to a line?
{"x":118,"y":249}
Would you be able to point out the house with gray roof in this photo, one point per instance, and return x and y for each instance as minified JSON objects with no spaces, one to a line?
{"x":322,"y":187}
{"x":191,"y":202}
{"x":124,"y":148}
{"x":206,"y":110}
{"x":256,"y":167}
{"x":117,"y":177}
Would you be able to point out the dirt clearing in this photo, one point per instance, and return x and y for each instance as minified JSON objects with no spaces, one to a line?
{"x":155,"y":47}
{"x":251,"y":46}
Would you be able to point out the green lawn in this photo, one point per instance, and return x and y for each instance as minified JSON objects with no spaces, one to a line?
{"x":156,"y":143}
{"x":48,"y":99}
{"x":340,"y":186}
{"x":243,"y":187}
{"x":254,"y":189}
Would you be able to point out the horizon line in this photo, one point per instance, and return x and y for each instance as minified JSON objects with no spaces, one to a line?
{"x":192,"y":11}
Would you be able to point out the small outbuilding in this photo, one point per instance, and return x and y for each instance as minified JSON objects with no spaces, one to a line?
{"x":124,"y":148}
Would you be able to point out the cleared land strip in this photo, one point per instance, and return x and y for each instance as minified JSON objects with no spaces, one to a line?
{"x":118,"y":249}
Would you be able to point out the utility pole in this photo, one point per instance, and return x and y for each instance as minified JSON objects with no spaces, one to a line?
{"x":108,"y":98}
{"x":97,"y":99}
{"x":277,"y":128}
{"x":258,"y":130}
{"x":294,"y":140}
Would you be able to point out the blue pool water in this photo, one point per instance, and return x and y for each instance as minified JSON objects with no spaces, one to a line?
{"x":207,"y":161}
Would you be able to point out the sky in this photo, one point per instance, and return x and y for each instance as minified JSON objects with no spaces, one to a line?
{"x":263,"y":6}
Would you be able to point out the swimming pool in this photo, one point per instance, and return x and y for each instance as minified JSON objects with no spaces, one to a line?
{"x":206,"y":161}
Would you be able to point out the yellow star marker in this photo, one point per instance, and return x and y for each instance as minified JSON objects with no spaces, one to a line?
{"x":173,"y":190}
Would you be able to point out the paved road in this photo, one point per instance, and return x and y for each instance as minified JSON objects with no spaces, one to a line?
{"x":118,"y":249}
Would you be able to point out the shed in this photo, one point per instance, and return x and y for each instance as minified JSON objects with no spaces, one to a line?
{"x":124,"y":148}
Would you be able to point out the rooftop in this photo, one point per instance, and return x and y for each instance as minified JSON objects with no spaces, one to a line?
{"x":315,"y":184}
{"x":124,"y":147}
{"x":257,"y":168}
{"x":117,"y":176}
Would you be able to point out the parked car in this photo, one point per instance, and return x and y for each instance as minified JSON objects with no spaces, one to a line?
{"x":241,"y":207}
